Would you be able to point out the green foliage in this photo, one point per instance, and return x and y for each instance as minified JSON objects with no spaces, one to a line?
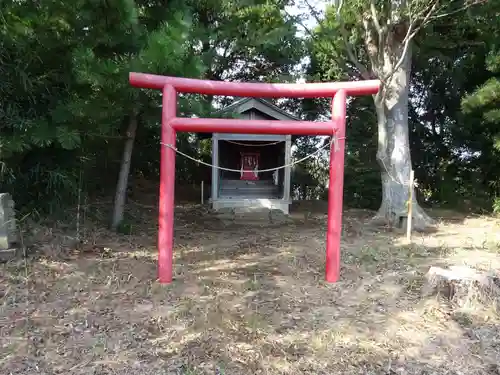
{"x":487,"y":97}
{"x":246,"y":40}
{"x":65,"y":94}
{"x":482,"y":104}
{"x":309,"y":178}
{"x":496,"y":206}
{"x":362,"y":178}
{"x":66,"y":100}
{"x":74,"y":62}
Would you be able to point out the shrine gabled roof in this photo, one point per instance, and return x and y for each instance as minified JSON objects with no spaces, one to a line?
{"x":261,"y":105}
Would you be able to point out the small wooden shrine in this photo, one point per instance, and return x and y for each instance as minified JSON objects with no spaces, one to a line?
{"x":246,"y":155}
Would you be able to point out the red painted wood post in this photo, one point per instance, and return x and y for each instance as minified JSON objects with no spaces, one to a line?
{"x":336,"y":188}
{"x":167,"y":186}
{"x":182,"y":124}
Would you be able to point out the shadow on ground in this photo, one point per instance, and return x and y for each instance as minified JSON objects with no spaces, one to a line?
{"x":245,"y":300}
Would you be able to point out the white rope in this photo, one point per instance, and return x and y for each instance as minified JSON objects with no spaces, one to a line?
{"x":333,"y":141}
{"x":252,"y":144}
{"x":415,"y":182}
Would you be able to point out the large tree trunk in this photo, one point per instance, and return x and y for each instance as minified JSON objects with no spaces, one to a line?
{"x":393,"y":153}
{"x":121,"y":186}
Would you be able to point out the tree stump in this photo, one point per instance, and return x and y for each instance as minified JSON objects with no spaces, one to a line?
{"x":463,"y":286}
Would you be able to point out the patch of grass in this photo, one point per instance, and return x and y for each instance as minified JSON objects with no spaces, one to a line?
{"x":492,"y":246}
{"x":463,"y":318}
{"x":369,"y":254}
{"x":252,"y":284}
{"x":255,"y":324}
{"x":398,"y":257}
{"x":125,"y":227}
{"x":413,"y":282}
{"x":415,"y":252}
{"x":188,"y":370}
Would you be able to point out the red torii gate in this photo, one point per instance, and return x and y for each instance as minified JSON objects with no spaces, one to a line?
{"x":172,"y":124}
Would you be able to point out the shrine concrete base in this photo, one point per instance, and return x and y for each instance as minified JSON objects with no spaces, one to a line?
{"x":260,"y":216}
{"x":250,"y":205}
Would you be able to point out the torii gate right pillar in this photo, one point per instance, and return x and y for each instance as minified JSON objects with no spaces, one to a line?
{"x":335,"y":189}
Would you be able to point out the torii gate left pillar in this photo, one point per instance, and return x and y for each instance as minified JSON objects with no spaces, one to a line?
{"x":172,"y":124}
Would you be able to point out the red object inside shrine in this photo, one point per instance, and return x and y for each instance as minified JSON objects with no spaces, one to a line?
{"x":249,"y":165}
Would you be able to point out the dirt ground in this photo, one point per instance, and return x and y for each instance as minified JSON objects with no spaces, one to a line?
{"x":245,"y":300}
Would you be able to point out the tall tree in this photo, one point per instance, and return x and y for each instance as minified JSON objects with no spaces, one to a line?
{"x":128,"y":36}
{"x":374,"y":39}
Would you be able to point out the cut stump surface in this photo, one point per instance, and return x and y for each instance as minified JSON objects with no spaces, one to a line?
{"x":464,"y":286}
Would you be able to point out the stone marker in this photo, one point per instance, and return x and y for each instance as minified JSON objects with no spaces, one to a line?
{"x":8,"y":229}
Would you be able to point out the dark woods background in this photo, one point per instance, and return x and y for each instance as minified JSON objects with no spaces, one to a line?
{"x":67,"y":110}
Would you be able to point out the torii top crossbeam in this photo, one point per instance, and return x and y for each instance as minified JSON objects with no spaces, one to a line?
{"x":264,"y":90}
{"x":171,"y":124}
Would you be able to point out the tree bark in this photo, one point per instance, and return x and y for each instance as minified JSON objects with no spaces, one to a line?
{"x":122,"y":184}
{"x":393,"y":153}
